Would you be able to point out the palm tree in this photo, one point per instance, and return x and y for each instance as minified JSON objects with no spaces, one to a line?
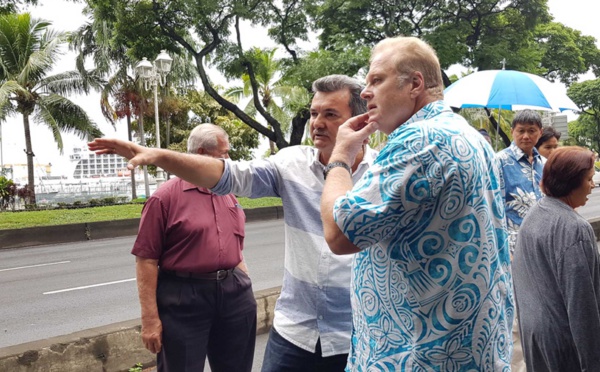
{"x":28,"y":51}
{"x":271,"y":89}
{"x":93,"y":40}
{"x":122,"y":95}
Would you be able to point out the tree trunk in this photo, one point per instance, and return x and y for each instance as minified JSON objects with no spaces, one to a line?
{"x":495,"y":125}
{"x":445,"y":79}
{"x":272,"y":148}
{"x":299,"y":123}
{"x":133,"y":186}
{"x":30,"y":198}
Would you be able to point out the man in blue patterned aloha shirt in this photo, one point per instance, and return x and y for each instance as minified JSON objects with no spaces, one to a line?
{"x":431,"y":285}
{"x":521,"y":165}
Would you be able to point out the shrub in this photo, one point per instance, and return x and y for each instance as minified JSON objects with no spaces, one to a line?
{"x":26,"y":194}
{"x":137,"y":368}
{"x":108,"y":200}
{"x":8,"y":192}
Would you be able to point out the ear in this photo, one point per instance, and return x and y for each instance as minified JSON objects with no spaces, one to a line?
{"x":417,"y":84}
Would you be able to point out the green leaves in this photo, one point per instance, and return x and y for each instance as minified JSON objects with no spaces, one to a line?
{"x":64,"y":116}
{"x":586,"y":129}
{"x":477,"y":34}
{"x":566,"y":53}
{"x":28,"y":51}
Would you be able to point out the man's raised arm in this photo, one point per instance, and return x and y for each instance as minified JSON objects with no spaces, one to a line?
{"x":350,"y":137}
{"x":203,"y":171}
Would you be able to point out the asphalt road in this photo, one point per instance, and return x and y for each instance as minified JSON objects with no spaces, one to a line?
{"x":592,"y":208}
{"x":54,"y":290}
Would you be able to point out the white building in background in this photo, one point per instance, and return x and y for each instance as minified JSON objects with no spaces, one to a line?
{"x":558,"y":122}
{"x":90,"y":177}
{"x":84,"y":164}
{"x":90,"y":165}
{"x":18,"y":171}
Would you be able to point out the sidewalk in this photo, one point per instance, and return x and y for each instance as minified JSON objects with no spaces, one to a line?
{"x":114,"y":347}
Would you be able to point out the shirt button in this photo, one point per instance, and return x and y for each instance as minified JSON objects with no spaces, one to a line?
{"x":321,"y":317}
{"x":320,"y":287}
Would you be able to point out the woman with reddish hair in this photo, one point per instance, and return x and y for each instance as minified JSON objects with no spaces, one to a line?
{"x":556,"y":270}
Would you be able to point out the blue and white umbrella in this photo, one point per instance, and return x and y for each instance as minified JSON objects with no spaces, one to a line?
{"x":507,"y":90}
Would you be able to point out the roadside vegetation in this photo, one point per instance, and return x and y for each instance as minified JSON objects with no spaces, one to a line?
{"x":23,"y":219}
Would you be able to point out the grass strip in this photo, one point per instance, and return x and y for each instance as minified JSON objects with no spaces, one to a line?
{"x":24,"y":219}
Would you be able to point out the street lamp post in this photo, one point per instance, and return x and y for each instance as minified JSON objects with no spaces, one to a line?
{"x":155,"y":74}
{"x":1,"y":153}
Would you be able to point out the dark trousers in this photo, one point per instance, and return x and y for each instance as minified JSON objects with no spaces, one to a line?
{"x":281,"y":355}
{"x":203,"y":318}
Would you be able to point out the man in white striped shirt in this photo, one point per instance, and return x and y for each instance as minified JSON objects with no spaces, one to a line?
{"x":313,"y":317}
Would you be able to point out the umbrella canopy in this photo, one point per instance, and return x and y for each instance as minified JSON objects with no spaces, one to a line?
{"x":507,"y":90}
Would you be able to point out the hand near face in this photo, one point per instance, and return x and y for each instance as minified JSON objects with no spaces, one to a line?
{"x":351,"y":136}
{"x":137,"y":155}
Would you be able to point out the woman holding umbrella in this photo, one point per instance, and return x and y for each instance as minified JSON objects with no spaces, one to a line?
{"x":556,"y":270}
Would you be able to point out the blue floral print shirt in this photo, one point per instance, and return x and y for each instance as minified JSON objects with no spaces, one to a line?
{"x":431,"y":286}
{"x":520,"y":184}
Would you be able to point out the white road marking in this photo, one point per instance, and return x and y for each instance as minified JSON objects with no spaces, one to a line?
{"x":89,"y":286}
{"x":40,"y":265}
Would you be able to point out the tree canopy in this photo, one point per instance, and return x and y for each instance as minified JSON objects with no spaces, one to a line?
{"x":12,"y":6}
{"x":586,"y":129}
{"x":29,"y":49}
{"x":478,"y":35}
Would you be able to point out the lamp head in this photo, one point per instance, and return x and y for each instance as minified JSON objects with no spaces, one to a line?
{"x":163,"y":62}
{"x":144,"y":69}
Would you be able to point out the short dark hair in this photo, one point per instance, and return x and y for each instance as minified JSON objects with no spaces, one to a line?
{"x":547,"y":133}
{"x":527,"y":117}
{"x":484,"y":132}
{"x":335,"y":83}
{"x":566,"y":170}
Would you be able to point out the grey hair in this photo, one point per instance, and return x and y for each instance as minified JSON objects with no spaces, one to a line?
{"x":527,"y":117}
{"x":335,"y":83}
{"x":204,"y":136}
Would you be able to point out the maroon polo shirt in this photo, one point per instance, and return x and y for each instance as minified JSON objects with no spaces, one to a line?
{"x":188,"y":228}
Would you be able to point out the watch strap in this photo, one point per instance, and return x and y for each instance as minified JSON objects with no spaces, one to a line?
{"x":336,"y":164}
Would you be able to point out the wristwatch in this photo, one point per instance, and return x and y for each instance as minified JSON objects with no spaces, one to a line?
{"x":336,"y":164}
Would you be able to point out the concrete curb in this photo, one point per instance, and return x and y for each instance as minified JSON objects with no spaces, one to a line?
{"x":115,"y":347}
{"x":78,"y":232}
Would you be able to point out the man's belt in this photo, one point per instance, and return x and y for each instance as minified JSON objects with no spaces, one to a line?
{"x":215,"y":275}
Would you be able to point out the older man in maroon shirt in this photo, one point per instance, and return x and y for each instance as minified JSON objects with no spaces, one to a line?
{"x":195,"y":294}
